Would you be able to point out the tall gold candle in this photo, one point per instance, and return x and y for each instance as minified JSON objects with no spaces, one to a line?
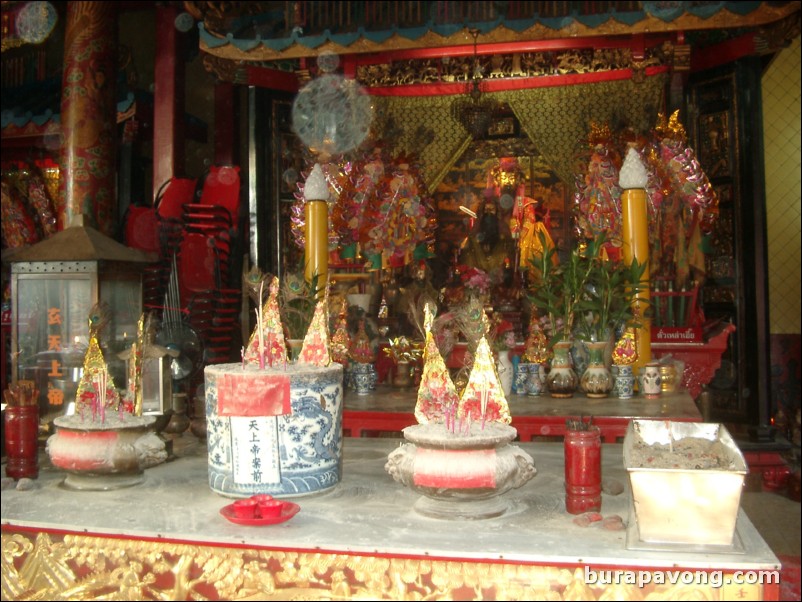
{"x":635,"y":238}
{"x":316,"y":213}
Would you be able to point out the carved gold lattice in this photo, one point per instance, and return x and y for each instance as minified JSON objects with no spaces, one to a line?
{"x":46,"y":566}
{"x":498,"y":66}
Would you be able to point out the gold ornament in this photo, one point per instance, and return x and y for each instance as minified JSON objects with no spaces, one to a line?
{"x":51,"y":566}
{"x":670,"y":129}
{"x":625,"y":352}
{"x":95,"y":368}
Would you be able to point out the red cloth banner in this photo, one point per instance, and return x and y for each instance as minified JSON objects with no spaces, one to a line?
{"x":253,"y":395}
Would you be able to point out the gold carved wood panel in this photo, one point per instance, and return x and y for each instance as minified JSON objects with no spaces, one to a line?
{"x":51,"y":566}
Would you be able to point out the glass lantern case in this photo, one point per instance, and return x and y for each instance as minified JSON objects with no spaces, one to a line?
{"x":54,"y":285}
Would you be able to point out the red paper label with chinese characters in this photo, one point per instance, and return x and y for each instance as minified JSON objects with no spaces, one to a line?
{"x":455,"y":469}
{"x":253,"y":395}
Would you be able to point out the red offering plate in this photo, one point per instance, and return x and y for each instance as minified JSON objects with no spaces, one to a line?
{"x":288,"y":510}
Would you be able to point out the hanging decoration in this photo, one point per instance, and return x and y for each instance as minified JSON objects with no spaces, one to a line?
{"x":358,"y":193}
{"x":474,"y":111}
{"x":18,"y":227}
{"x":379,"y":202}
{"x":332,"y":114}
{"x":35,"y":21}
{"x":691,"y":196}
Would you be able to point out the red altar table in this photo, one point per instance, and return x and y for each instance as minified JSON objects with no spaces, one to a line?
{"x":702,"y":359}
{"x":390,"y":409}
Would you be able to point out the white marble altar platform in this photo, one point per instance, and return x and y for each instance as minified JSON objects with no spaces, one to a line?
{"x":367,"y":515}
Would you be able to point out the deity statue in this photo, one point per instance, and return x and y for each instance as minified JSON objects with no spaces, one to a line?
{"x":361,"y":349}
{"x":528,"y":226}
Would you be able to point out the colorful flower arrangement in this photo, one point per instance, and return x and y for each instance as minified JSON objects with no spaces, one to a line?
{"x":402,"y":217}
{"x":501,"y":334}
{"x":474,"y":280}
{"x":378,"y":201}
{"x":682,"y":204}
{"x":687,"y":178}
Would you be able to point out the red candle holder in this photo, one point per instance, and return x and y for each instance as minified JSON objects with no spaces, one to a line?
{"x":22,"y":441}
{"x":582,"y":470}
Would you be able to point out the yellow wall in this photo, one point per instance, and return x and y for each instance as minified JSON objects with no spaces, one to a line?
{"x":781,"y":125}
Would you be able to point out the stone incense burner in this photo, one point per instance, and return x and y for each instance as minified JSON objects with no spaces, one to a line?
{"x":460,"y":476}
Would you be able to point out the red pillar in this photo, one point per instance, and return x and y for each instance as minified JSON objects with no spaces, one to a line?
{"x":89,"y":115}
{"x":168,"y":100}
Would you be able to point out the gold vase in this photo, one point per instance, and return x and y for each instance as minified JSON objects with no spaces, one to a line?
{"x":668,"y":378}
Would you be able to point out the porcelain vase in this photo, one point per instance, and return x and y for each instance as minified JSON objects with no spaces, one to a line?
{"x":597,"y":380}
{"x":534,"y":384}
{"x":521,"y":376}
{"x":650,"y":380}
{"x":505,"y":372}
{"x":562,"y":381}
{"x":625,"y":382}
{"x":362,"y":378}
{"x":294,"y":348}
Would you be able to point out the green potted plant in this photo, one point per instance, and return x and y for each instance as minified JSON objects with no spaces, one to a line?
{"x":607,"y":302}
{"x":297,"y":300}
{"x":556,"y":289}
{"x":604,"y":306}
{"x":586,"y":297}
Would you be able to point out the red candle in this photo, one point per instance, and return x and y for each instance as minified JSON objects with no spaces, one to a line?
{"x":582,"y":470}
{"x":22,"y":441}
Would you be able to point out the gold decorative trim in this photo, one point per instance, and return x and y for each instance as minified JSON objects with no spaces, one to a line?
{"x":49,"y":566}
{"x":508,"y":66}
{"x":9,"y":43}
{"x":724,"y":19}
{"x":227,"y":71}
{"x":779,"y":34}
